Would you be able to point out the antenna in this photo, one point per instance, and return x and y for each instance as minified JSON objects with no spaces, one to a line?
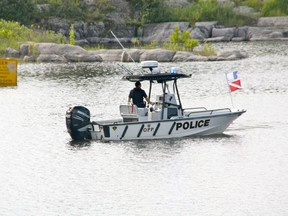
{"x":121,"y":45}
{"x":124,"y":51}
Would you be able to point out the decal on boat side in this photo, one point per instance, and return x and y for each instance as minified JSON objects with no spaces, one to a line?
{"x":148,"y":128}
{"x":192,"y":124}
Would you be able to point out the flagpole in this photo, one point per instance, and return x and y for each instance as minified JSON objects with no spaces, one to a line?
{"x":229,"y":90}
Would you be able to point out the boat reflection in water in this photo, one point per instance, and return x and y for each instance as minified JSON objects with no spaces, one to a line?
{"x":166,"y":119}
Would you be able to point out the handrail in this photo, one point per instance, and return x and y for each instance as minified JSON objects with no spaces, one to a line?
{"x":195,"y":108}
{"x":209,"y":111}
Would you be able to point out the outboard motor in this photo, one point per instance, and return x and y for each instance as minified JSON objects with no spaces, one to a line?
{"x":78,"y":123}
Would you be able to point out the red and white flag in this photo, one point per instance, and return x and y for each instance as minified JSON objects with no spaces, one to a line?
{"x":233,"y":81}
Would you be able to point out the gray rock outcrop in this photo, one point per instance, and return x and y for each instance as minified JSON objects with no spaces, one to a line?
{"x":99,"y":33}
{"x":272,"y":21}
{"x":160,"y":55}
{"x":160,"y":32}
{"x":51,"y":52}
{"x":63,"y":53}
{"x":270,"y":28}
{"x":203,"y":31}
{"x":12,"y":53}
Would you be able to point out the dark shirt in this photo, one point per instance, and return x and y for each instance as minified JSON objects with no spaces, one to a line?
{"x":137,"y":96}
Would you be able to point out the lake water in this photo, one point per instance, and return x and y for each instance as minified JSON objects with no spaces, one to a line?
{"x":243,"y":172}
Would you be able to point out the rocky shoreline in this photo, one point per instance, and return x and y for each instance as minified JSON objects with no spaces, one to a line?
{"x":267,"y":29}
{"x":63,"y":53}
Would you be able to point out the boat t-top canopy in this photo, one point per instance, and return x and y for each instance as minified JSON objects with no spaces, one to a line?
{"x":156,"y":77}
{"x":155,"y":74}
{"x":163,"y":78}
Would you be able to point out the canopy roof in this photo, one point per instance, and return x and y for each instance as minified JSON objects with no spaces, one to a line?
{"x":160,"y":77}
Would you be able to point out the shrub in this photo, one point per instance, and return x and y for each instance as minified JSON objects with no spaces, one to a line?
{"x":275,"y":8}
{"x":202,"y":10}
{"x":256,"y":4}
{"x":152,"y":45}
{"x":75,"y":10}
{"x":178,"y":41}
{"x":135,"y":42}
{"x":12,"y":34}
{"x":72,"y":35}
{"x":207,"y":49}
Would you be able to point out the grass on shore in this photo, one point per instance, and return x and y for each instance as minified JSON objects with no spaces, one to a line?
{"x":12,"y":35}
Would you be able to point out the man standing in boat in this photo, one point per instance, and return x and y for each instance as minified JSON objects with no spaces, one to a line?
{"x":137,"y":94}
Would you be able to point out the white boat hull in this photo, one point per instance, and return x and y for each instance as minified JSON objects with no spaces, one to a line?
{"x":173,"y":128}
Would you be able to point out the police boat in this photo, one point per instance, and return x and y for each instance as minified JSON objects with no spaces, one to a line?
{"x":166,"y":119}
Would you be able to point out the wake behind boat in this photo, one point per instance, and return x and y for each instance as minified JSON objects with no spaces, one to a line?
{"x":166,"y":119}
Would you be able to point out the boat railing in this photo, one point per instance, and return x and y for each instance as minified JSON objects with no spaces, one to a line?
{"x":196,"y":109}
{"x":204,"y":110}
{"x":104,"y":122}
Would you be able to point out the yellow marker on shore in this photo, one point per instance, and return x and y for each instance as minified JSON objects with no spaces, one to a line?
{"x":8,"y":72}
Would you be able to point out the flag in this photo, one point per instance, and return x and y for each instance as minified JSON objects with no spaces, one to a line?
{"x":233,"y":81}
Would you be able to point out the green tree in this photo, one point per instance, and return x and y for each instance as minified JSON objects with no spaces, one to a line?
{"x":182,"y":40}
{"x":72,"y":35}
{"x":147,"y":8}
{"x":275,"y":8}
{"x":23,"y":11}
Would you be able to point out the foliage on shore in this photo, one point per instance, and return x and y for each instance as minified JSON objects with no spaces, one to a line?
{"x":202,"y":10}
{"x":180,"y":41}
{"x":146,"y":11}
{"x":154,"y":11}
{"x":13,"y":34}
{"x":275,"y":8}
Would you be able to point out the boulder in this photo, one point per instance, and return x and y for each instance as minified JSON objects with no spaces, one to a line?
{"x":83,"y":58}
{"x":238,"y":39}
{"x":58,"y":25}
{"x":216,"y":39}
{"x":272,"y":21}
{"x":131,"y":53}
{"x":24,"y":49}
{"x":160,"y":55}
{"x":231,"y":54}
{"x":93,"y":40}
{"x":206,"y":27}
{"x":181,"y":56}
{"x":51,"y":58}
{"x":59,"y":53}
{"x":242,"y":32}
{"x":109,"y":55}
{"x":187,"y":57}
{"x":276,"y":34}
{"x":285,"y":33}
{"x":226,"y":33}
{"x":59,"y":49}
{"x":12,"y":53}
{"x":160,"y":32}
{"x":81,"y":42}
{"x":196,"y":33}
{"x":266,"y":33}
{"x":30,"y":58}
